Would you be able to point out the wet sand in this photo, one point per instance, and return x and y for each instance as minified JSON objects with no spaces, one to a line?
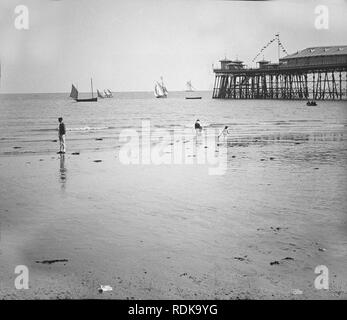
{"x":173,"y":231}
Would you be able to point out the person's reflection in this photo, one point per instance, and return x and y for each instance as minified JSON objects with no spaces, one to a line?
{"x":62,"y":175}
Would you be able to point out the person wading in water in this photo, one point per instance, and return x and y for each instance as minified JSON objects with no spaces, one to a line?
{"x":224,"y":133}
{"x":197,"y":125}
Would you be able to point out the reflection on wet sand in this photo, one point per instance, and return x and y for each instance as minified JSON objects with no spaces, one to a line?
{"x":62,"y":171}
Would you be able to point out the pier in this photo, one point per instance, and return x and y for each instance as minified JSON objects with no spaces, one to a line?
{"x":316,"y":73}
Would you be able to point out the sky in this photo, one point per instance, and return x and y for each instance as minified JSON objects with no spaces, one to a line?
{"x":126,"y":45}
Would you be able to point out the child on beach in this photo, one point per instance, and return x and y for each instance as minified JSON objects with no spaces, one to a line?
{"x":62,"y":132}
{"x":224,"y":133}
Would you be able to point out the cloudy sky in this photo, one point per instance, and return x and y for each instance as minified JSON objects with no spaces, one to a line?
{"x":127,"y":44}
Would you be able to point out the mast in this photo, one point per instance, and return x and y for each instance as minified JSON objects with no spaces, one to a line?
{"x":91,"y":85}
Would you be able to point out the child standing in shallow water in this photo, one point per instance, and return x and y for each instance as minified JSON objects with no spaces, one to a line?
{"x":62,"y":132}
{"x":224,"y":133}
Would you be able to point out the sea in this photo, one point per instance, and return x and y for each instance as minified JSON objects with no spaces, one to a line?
{"x":29,"y":122}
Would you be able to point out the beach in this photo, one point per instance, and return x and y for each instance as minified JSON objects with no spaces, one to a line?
{"x":173,"y":231}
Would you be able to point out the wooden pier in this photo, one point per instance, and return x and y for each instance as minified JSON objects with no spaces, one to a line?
{"x":318,"y":73}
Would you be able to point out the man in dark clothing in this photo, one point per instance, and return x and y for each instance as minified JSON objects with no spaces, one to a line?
{"x":62,"y":132}
{"x":197,"y":125}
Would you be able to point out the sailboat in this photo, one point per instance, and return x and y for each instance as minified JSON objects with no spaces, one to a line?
{"x":160,"y":90}
{"x":74,"y":94}
{"x":190,"y":88}
{"x":99,"y":94}
{"x":107,"y":94}
{"x":110,"y":93}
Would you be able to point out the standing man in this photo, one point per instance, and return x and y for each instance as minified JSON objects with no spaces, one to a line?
{"x":62,"y":132}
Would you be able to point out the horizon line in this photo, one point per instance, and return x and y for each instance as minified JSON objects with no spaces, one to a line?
{"x":127,"y":91}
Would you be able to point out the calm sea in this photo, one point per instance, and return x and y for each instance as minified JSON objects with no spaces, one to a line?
{"x":28,"y":122}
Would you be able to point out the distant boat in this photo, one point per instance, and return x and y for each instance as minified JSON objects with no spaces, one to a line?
{"x":190,"y":87}
{"x":110,"y":93}
{"x":107,"y":94}
{"x":74,"y":94}
{"x":160,"y":90}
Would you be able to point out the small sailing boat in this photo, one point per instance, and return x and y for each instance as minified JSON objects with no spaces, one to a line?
{"x":190,"y":88}
{"x":107,"y":94}
{"x":99,"y":94}
{"x":110,"y":95}
{"x":74,"y":94}
{"x":160,"y":90}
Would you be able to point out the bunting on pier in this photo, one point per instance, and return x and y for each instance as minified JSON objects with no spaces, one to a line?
{"x":279,"y":43}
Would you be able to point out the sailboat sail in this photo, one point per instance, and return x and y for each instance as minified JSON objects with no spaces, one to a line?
{"x":99,"y":94}
{"x":189,"y":86}
{"x":165,"y":90}
{"x":160,"y":91}
{"x":74,"y":92}
{"x":163,"y":86}
{"x":156,"y":92}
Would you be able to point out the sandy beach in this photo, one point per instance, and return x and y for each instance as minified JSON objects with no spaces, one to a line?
{"x":174,"y":231}
{"x":173,"y":150}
